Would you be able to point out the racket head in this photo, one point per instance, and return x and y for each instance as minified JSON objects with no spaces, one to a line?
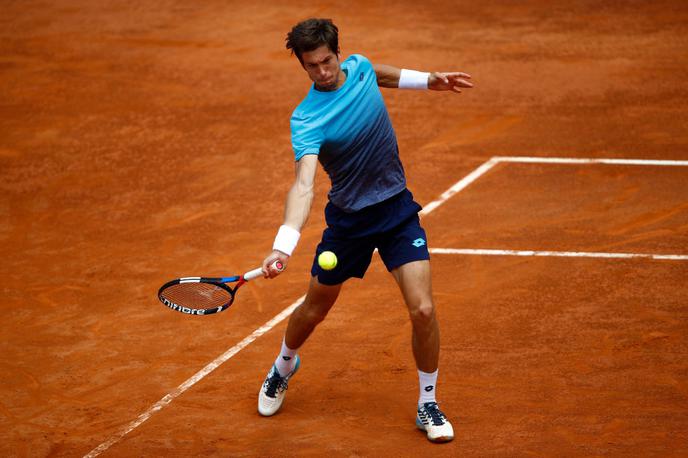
{"x":198,"y":295}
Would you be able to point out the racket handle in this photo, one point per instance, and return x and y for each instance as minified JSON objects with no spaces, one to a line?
{"x":255,"y":273}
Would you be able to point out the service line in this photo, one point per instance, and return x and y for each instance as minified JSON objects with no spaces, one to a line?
{"x":575,"y":160}
{"x":561,"y":254}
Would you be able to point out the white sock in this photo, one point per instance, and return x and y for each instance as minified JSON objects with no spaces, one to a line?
{"x":286,"y":360}
{"x":428,"y":386}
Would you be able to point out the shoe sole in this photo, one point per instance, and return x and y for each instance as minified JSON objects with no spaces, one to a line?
{"x":441,"y":439}
{"x":436,"y":440}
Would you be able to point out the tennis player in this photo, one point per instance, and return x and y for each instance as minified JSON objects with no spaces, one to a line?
{"x":343,"y":124}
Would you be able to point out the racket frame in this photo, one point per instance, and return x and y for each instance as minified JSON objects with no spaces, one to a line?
{"x":220,"y":282}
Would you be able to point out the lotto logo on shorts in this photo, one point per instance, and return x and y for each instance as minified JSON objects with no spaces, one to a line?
{"x":418,"y":243}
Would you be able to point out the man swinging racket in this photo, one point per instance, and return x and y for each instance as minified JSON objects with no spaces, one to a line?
{"x":343,"y":123}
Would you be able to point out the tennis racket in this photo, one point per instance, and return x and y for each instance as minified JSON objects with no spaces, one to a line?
{"x":205,"y":295}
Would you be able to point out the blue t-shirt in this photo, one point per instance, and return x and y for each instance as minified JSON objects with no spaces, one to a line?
{"x":350,"y":131}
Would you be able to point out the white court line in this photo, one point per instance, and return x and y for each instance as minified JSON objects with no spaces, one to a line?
{"x":573,"y":160}
{"x":195,"y":379}
{"x":457,"y":187}
{"x":477,"y":173}
{"x":563,"y":254}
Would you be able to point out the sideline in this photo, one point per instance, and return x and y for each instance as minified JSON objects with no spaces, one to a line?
{"x":195,"y":379}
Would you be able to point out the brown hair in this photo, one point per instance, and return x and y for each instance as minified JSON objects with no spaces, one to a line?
{"x":312,"y":33}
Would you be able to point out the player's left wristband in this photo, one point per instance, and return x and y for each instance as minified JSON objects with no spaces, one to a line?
{"x":412,"y":79}
{"x":286,"y":240}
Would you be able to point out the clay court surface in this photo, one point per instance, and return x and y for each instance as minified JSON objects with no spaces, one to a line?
{"x":142,"y":141}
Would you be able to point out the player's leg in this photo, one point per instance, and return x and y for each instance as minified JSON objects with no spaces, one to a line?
{"x":415,"y":284}
{"x":414,"y":281}
{"x":405,"y":253}
{"x":354,"y":258}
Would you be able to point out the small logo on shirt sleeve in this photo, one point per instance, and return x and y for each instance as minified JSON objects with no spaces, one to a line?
{"x":360,"y":77}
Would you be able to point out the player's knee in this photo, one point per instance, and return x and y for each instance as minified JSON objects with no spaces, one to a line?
{"x":422,"y":314}
{"x":315,"y":313}
{"x":316,"y":316}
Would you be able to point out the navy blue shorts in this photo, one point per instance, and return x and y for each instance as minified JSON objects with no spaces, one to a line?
{"x":391,"y":226}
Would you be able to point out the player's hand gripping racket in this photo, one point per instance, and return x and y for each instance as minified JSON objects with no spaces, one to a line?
{"x":204,"y":295}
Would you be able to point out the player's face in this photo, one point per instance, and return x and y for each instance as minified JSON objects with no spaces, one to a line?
{"x":322,"y":66}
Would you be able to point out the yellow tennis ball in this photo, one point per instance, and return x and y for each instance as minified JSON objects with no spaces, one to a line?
{"x":327,"y":260}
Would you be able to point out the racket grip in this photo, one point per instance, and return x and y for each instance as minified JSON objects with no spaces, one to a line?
{"x":255,"y":273}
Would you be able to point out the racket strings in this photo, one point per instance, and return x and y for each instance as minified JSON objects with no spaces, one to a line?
{"x":197,"y":295}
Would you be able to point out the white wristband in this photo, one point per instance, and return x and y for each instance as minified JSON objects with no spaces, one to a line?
{"x":286,"y":240}
{"x":411,"y":79}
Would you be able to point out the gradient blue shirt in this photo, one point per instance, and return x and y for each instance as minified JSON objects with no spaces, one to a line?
{"x":350,"y":131}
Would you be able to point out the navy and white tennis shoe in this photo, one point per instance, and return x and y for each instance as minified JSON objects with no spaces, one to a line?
{"x":431,"y":420}
{"x":274,"y":389}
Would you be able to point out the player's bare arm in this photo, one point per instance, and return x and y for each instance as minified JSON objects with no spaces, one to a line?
{"x":389,"y":76}
{"x":297,"y":206}
{"x":300,"y":196}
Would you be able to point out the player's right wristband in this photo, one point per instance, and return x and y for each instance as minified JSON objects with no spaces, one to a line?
{"x":286,"y":240}
{"x":411,"y":79}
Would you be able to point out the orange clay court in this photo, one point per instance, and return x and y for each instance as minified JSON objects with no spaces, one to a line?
{"x":142,"y":141}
